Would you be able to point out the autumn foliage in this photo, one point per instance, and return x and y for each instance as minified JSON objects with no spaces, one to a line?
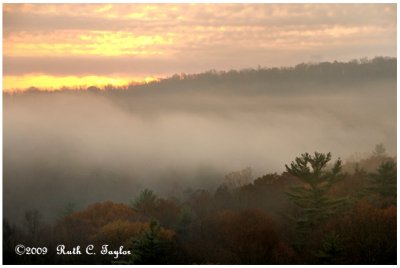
{"x":350,"y":218}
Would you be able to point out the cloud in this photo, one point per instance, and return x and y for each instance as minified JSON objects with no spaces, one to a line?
{"x":98,"y":17}
{"x":142,"y":39}
{"x":82,"y":65}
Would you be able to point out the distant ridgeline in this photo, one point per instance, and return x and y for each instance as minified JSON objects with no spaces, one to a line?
{"x":285,"y":80}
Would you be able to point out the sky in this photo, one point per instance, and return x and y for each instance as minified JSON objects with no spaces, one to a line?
{"x":55,"y":45}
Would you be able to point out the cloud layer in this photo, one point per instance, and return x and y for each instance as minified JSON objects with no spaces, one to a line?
{"x":140,"y":40}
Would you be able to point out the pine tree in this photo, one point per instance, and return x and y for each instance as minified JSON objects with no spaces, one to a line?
{"x":383,"y":184}
{"x":313,"y":199}
{"x":148,"y":248}
{"x":332,"y":249}
{"x":186,"y":218}
{"x":145,"y":202}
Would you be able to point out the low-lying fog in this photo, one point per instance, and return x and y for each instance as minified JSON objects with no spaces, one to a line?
{"x":84,"y":147}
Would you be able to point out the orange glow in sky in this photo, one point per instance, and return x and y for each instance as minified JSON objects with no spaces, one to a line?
{"x":55,"y":45}
{"x":48,"y":82}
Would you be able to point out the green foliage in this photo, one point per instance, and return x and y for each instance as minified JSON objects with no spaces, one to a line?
{"x":384,"y":182}
{"x":186,"y":218}
{"x":331,"y":250}
{"x":198,"y":231}
{"x":144,"y":202}
{"x":149,"y":247}
{"x":313,"y":196}
{"x":382,"y":186}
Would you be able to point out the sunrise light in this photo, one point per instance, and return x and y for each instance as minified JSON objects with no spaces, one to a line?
{"x":56,"y":45}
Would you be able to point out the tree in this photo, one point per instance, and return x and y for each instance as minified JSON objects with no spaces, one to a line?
{"x":10,"y":239}
{"x":81,"y":226}
{"x":68,"y":209}
{"x":384,"y":183}
{"x":380,"y":150}
{"x":186,"y":218}
{"x":152,"y":246}
{"x":147,"y":247}
{"x":33,"y":221}
{"x":237,"y":179}
{"x":118,"y":233}
{"x":332,"y":249}
{"x":145,"y":202}
{"x":366,"y":236}
{"x":312,"y":198}
{"x":248,"y":236}
{"x":149,"y":206}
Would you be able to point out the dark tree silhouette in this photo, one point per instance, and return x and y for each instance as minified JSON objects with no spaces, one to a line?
{"x":151,"y":247}
{"x":313,"y":196}
{"x":145,"y":202}
{"x":382,"y":186}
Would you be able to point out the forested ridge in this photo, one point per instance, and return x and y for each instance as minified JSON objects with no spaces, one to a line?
{"x":315,"y":212}
{"x":253,"y":166}
{"x":261,"y":80}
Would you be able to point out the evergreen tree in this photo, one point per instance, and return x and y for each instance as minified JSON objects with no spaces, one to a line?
{"x":147,"y":247}
{"x":383,"y":184}
{"x":332,"y":249}
{"x":380,"y":150}
{"x":186,"y":218}
{"x":313,"y":199}
{"x":151,"y":248}
{"x":145,"y":202}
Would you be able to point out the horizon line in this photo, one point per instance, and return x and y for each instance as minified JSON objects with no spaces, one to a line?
{"x":154,"y":79}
